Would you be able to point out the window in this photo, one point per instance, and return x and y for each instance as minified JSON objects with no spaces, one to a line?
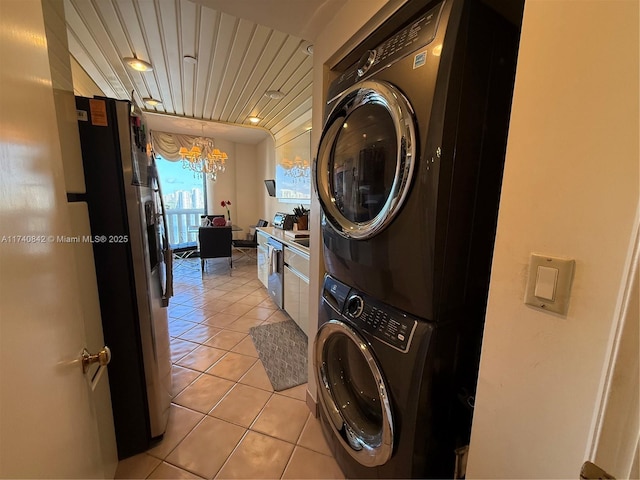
{"x":184,"y":195}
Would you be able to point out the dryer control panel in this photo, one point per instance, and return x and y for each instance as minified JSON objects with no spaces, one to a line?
{"x":418,"y":33}
{"x":387,"y":324}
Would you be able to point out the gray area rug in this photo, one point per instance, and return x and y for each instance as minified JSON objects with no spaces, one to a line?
{"x":282,"y":348}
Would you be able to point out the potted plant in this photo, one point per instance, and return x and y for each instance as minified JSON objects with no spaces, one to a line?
{"x":301,"y":215}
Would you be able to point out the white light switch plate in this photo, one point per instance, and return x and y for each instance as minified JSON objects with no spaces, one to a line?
{"x":555,"y":297}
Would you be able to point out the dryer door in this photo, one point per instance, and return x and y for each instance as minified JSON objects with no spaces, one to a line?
{"x":353,"y":393}
{"x":366,"y":159}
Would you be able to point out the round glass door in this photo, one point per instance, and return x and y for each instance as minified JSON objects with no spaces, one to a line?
{"x":353,"y":394}
{"x":366,"y":159}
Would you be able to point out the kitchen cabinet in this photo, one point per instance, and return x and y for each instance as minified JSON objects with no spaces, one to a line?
{"x":296,"y":273}
{"x":263,"y":258}
{"x":292,"y":293}
{"x":296,"y":287}
{"x":303,"y":322}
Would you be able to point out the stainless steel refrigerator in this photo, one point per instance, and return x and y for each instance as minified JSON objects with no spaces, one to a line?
{"x":133,"y":267}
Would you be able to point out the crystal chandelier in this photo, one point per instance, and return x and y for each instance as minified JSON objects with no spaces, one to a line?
{"x":204,"y":158}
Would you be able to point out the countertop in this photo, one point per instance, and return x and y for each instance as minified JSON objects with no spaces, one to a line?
{"x":279,"y":235}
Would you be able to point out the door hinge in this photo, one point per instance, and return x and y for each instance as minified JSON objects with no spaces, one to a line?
{"x":591,"y":471}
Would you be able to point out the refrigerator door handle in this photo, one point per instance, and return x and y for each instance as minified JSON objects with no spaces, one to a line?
{"x":167,"y":251}
{"x":271,"y":254}
{"x":168,"y":272}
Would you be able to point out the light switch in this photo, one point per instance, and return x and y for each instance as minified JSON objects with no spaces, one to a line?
{"x":546,"y":283}
{"x":549,"y":283}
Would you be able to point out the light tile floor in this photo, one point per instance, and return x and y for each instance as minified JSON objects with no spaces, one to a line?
{"x":225,"y":420}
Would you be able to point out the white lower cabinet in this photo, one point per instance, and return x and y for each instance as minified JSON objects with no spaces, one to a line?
{"x":296,"y":288}
{"x":295,"y":281}
{"x":291,"y":293}
{"x":303,"y":323}
{"x":263,"y":258}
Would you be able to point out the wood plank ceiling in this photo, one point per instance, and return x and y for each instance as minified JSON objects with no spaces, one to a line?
{"x":237,"y":60}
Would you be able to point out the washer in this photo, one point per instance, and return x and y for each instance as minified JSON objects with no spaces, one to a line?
{"x":385,"y":381}
{"x":410,"y":160}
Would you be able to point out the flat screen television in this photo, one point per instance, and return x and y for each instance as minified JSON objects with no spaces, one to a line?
{"x":271,"y":187}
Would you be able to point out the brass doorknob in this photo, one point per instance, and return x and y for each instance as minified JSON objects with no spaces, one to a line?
{"x":103,"y":357}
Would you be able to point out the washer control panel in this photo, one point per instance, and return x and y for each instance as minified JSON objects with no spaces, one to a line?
{"x":334,"y":293}
{"x":366,"y":61}
{"x":387,"y":324}
{"x":355,"y":306}
{"x":382,"y":321}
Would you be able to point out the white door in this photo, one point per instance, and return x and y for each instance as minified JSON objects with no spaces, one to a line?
{"x":48,"y":422}
{"x":615,"y":441}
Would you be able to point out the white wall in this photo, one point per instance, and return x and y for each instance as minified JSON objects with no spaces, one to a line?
{"x":267,"y":152}
{"x":83,"y":84}
{"x":570,"y":189}
{"x":268,"y":206}
{"x":247,"y":193}
{"x":238,"y":184}
{"x":224,"y":188}
{"x":299,"y":126}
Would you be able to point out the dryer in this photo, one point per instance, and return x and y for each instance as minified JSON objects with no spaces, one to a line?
{"x":410,"y":161}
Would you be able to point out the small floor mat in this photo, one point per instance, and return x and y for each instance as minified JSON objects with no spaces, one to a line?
{"x":282,"y":347}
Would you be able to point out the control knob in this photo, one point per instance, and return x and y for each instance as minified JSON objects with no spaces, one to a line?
{"x":355,"y":305}
{"x":366,"y":61}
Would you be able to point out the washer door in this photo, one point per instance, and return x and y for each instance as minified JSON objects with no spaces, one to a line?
{"x":366,"y":159}
{"x":353,"y":393}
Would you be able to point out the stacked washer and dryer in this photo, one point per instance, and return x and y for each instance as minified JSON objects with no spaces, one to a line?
{"x":408,"y":174}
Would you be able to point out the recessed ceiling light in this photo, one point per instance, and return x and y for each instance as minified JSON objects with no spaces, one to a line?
{"x":190,"y":59}
{"x":254,"y":120}
{"x":137,"y":64}
{"x":306,"y":47}
{"x":152,"y":102}
{"x":274,"y":94}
